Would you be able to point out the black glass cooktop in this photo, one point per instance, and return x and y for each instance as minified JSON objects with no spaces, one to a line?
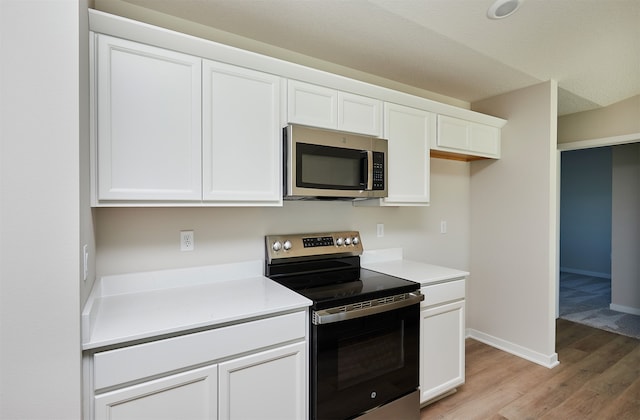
{"x":330,"y":283}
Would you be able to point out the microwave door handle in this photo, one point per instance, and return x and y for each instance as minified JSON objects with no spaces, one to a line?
{"x":368,"y":182}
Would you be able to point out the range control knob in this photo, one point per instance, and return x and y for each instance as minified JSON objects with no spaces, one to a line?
{"x":277,"y":246}
{"x":340,"y":241}
{"x":347,"y":241}
{"x":355,"y":240}
{"x":287,"y":245}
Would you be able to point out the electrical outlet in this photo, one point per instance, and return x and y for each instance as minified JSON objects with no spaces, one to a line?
{"x":380,"y":230}
{"x":186,"y":240}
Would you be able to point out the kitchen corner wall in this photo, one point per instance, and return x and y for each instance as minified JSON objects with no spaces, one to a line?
{"x":143,"y":239}
{"x":511,"y":291}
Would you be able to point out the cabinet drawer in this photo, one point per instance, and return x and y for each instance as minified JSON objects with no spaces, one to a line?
{"x":443,"y":292}
{"x":144,"y":360}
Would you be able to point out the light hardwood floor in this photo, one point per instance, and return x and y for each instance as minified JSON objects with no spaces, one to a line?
{"x":598,"y":378}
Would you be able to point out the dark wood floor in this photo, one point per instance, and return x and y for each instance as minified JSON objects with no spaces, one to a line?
{"x":598,"y":378}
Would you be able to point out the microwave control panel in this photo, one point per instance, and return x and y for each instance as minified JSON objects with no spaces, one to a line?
{"x":378,"y":171}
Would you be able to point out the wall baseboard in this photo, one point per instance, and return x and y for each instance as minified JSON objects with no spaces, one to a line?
{"x":586,"y":273}
{"x":625,"y":309}
{"x":548,"y":361}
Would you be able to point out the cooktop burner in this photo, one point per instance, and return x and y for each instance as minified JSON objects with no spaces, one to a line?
{"x":325,"y":267}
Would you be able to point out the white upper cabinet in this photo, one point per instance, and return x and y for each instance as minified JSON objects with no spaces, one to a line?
{"x":312,"y":105}
{"x":202,"y":127}
{"x":359,"y":114}
{"x":408,"y":131}
{"x":173,"y":129}
{"x":456,"y":135}
{"x":148,"y":122}
{"x":241,"y":135}
{"x":318,"y":106}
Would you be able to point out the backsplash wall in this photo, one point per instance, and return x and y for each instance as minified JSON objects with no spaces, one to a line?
{"x":143,"y":239}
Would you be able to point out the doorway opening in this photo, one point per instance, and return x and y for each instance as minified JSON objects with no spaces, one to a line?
{"x":595,"y":234}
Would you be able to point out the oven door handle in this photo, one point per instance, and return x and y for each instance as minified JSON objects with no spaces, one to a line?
{"x":372,"y":307}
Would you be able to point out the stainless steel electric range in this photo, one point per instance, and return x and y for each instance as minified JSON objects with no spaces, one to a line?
{"x":364,"y":327}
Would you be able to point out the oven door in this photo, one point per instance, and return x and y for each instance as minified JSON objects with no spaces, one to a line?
{"x":359,"y":364}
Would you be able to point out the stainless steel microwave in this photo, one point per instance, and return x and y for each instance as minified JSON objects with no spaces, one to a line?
{"x":325,"y":164}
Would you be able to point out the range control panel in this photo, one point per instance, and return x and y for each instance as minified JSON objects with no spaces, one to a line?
{"x":313,"y":244}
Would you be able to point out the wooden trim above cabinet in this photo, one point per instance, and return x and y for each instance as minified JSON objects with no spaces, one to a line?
{"x":439,"y":154}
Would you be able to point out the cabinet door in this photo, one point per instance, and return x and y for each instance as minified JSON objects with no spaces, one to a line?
{"x":453,"y":133}
{"x":441,"y":349}
{"x":485,"y":140}
{"x":312,"y":105}
{"x":359,"y":114}
{"x":188,"y":395}
{"x":267,"y":385}
{"x":408,"y":131}
{"x":466,"y":137}
{"x":241,"y":136}
{"x":148,"y":131}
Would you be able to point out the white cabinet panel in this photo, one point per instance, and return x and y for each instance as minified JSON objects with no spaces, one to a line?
{"x":359,"y":114}
{"x":312,"y":105}
{"x":441,"y":349}
{"x":443,"y":292}
{"x":409,"y":131}
{"x":132,"y":363}
{"x":267,"y":385}
{"x":241,"y":135}
{"x":319,"y":106}
{"x":148,"y":130}
{"x":453,"y":133}
{"x":485,"y":140}
{"x":469,"y":138}
{"x":188,"y":395}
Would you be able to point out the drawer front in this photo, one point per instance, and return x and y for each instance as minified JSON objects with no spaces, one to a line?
{"x":144,"y":360}
{"x":443,"y":292}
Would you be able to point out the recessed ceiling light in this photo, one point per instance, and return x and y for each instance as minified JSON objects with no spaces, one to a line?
{"x":503,"y":8}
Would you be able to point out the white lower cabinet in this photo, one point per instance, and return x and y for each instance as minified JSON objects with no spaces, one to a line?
{"x":257,"y":376}
{"x":442,"y":348}
{"x":188,"y":395}
{"x":251,"y":370}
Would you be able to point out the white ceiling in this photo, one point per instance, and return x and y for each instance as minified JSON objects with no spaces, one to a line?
{"x":591,"y":47}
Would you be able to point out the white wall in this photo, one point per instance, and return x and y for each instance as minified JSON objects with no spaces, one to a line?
{"x":139,"y":239}
{"x":625,"y":238}
{"x":619,"y":119}
{"x":511,"y":292}
{"x":40,"y":374}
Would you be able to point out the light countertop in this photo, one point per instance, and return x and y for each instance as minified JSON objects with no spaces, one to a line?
{"x":390,"y":261}
{"x":139,"y":306}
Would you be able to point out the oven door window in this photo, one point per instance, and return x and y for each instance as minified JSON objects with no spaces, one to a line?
{"x":328,"y":167}
{"x":364,"y":362}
